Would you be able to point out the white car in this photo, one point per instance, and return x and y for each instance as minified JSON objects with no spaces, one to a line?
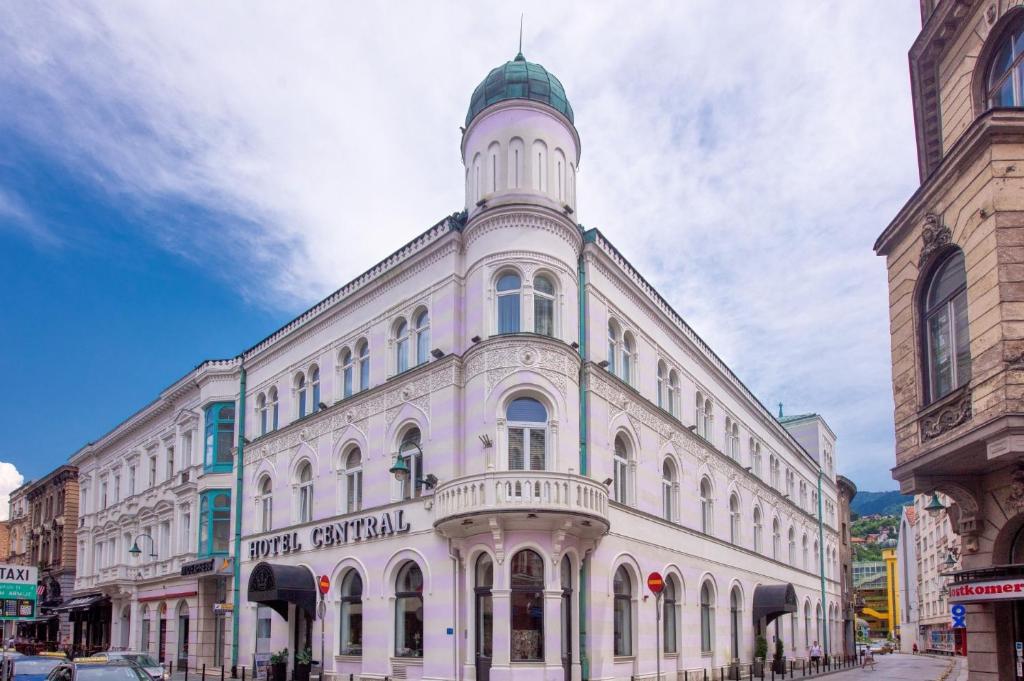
{"x":156,"y":671}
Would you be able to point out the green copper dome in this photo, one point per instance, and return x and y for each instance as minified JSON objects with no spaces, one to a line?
{"x":519,"y":79}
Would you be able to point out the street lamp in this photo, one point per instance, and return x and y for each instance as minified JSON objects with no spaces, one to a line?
{"x":402,"y":473}
{"x":935,"y":506}
{"x":135,"y":550}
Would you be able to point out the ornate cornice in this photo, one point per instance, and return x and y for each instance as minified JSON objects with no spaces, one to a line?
{"x":537,"y":218}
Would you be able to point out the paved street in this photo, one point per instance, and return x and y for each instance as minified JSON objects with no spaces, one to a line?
{"x":899,"y":668}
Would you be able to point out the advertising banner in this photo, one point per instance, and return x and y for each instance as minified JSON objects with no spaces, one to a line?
{"x":18,"y":590}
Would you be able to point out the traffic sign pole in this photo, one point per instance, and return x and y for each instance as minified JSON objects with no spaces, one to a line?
{"x":656,"y":584}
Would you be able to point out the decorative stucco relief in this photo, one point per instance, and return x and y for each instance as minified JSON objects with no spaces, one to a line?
{"x":500,"y":361}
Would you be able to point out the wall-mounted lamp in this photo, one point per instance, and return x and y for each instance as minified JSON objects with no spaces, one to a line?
{"x":401,"y":470}
{"x":135,"y":550}
{"x":437,"y":353}
{"x":574,"y":345}
{"x":485,"y":440}
{"x":607,"y":482}
{"x":692,"y":428}
{"x":603,"y":364}
{"x":935,"y":506}
{"x":747,"y":468}
{"x":321,"y":405}
{"x":475,"y":339}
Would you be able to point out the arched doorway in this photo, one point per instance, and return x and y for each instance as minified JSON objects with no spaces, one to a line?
{"x":566,"y":571}
{"x":161,"y":649}
{"x":484,"y":616}
{"x":183,"y":625}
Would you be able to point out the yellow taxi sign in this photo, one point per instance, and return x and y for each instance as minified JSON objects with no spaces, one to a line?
{"x":91,"y":660}
{"x":52,"y":654}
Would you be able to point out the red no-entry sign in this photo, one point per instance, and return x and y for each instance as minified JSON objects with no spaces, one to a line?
{"x":655,"y":583}
{"x":325,"y":584}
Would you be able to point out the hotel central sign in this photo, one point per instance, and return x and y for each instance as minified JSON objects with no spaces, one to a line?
{"x":331,"y":534}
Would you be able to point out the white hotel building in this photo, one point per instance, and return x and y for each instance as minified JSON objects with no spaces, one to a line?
{"x":566,"y":433}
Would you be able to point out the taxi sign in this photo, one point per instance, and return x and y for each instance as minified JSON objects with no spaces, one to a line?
{"x":655,"y":583}
{"x":324,"y":583}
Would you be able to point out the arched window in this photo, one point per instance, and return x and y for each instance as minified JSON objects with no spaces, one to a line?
{"x":493,"y":152}
{"x":735,"y":621}
{"x":543,"y":306}
{"x":273,"y":408}
{"x":1005,"y":78}
{"x":707,"y":509}
{"x":734,"y":518}
{"x":527,"y":606}
{"x":620,"y":470}
{"x":623,"y":614}
{"x":947,"y":338}
{"x":352,"y":614}
{"x":668,"y":616}
{"x":266,"y":503}
{"x":805,"y":557}
{"x":755,"y":457}
{"x":792,"y":546}
{"x":539,"y":166}
{"x":773,"y":465}
{"x":807,"y":623}
{"x":364,"y":365}
{"x":484,"y":606}
{"x":734,"y":442}
{"x":300,"y":394}
{"x":613,"y":340}
{"x":220,"y":435}
{"x":776,"y":539}
{"x":707,"y":618}
{"x":401,"y":346}
{"x":757,"y":529}
{"x":409,"y":611}
{"x":668,"y":490}
{"x":516,"y":156}
{"x":817,"y":622}
{"x":565,"y":575}
{"x":144,"y":636}
{"x":314,"y":380}
{"x":305,"y":489}
{"x":708,"y":419}
{"x":422,"y":337}
{"x":353,"y":480}
{"x":527,"y":422}
{"x":411,"y":453}
{"x":661,"y":384}
{"x":261,"y":409}
{"x":346,"y":373}
{"x":628,"y":348}
{"x":673,"y":393}
{"x":509,"y":289}
{"x":816,"y":556}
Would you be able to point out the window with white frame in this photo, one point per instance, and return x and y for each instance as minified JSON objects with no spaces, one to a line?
{"x":401,"y":339}
{"x":185,"y":536}
{"x":117,"y":489}
{"x":422,"y":337}
{"x":314,"y":380}
{"x":352,"y":614}
{"x":300,"y":394}
{"x":152,"y":470}
{"x":755,"y":457}
{"x":706,"y":506}
{"x":734,"y":441}
{"x":792,"y":546}
{"x":707,"y":618}
{"x":622,"y":638}
{"x":734,"y":518}
{"x":527,"y":422}
{"x":410,"y":452}
{"x":776,"y":539}
{"x":804,"y":547}
{"x":613,"y":344}
{"x":628,"y":350}
{"x":668,"y":490}
{"x":131,"y":480}
{"x":170,"y":463}
{"x":273,"y":408}
{"x":773,"y":464}
{"x":304,"y":480}
{"x":661,"y":383}
{"x":266,"y":504}
{"x":673,"y":393}
{"x":261,"y":409}
{"x":620,"y":470}
{"x":543,"y":306}
{"x":347,"y":368}
{"x":353,"y":480}
{"x":509,"y":292}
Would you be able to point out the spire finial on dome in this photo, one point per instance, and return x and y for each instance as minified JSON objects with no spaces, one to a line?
{"x":519,"y":56}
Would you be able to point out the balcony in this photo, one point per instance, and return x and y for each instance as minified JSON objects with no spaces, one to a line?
{"x":528,"y":500}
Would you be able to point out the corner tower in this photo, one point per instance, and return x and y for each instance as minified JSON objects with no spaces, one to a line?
{"x":520,"y":144}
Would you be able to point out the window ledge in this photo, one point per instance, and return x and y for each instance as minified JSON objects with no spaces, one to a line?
{"x":706,"y":653}
{"x":348,"y":658}
{"x":408,"y":661}
{"x":623,"y":658}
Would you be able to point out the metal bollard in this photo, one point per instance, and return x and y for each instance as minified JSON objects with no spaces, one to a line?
{"x":222,"y":673}
{"x":204,"y":672}
{"x":186,"y":670}
{"x":243,"y":673}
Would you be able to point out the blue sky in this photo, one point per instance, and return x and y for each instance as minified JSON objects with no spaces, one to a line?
{"x":176,"y":184}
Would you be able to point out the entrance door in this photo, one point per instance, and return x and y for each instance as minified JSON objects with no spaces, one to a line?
{"x":566,"y":571}
{"x":218,"y":640}
{"x":484,"y":617}
{"x":182,"y":638}
{"x":162,"y":645}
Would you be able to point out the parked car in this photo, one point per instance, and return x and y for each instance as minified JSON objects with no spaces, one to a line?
{"x":35,"y":667}
{"x":97,"y":668}
{"x":153,"y":668}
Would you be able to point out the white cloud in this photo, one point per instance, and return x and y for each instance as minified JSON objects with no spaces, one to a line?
{"x":743,"y":155}
{"x":10,"y":480}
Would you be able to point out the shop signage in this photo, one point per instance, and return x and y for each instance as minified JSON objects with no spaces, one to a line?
{"x":215,"y":566}
{"x":958,"y":613}
{"x":19,"y":590}
{"x":1000,"y":590}
{"x":331,"y":534}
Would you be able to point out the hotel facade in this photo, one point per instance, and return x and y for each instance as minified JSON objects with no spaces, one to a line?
{"x":490,"y":439}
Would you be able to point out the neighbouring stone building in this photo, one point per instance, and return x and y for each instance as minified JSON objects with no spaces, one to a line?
{"x":18,"y":527}
{"x":846,"y":492}
{"x":955,"y":259}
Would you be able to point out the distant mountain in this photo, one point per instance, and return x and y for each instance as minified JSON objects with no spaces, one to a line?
{"x":882,"y":503}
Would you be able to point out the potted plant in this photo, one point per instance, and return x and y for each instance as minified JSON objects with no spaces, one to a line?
{"x":279,"y":665}
{"x":303,"y":660}
{"x":779,"y":661}
{"x":760,"y":654}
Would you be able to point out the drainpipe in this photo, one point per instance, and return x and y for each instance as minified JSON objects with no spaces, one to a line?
{"x":584,"y":464}
{"x":821,"y":565}
{"x":237,"y":567}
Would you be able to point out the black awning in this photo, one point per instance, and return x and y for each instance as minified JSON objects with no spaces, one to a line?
{"x":275,"y":586}
{"x":773,"y":601}
{"x":81,"y":603}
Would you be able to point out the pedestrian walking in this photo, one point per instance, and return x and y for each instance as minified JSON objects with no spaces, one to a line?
{"x":868,"y":659}
{"x":815,"y":653}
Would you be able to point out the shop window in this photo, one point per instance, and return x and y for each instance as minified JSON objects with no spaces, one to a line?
{"x":707,"y":618}
{"x":220,"y":431}
{"x":509,"y":290}
{"x":527,"y":607}
{"x":263,"y":628}
{"x":304,"y":479}
{"x":947,"y":337}
{"x":527,"y":421}
{"x":670,"y":636}
{"x":409,"y":611}
{"x":807,"y":623}
{"x":214,"y":522}
{"x":484,"y":581}
{"x":623,"y":613}
{"x":352,"y":614}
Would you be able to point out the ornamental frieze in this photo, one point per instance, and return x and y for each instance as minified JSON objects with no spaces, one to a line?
{"x":948,"y":417}
{"x":504,"y":358}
